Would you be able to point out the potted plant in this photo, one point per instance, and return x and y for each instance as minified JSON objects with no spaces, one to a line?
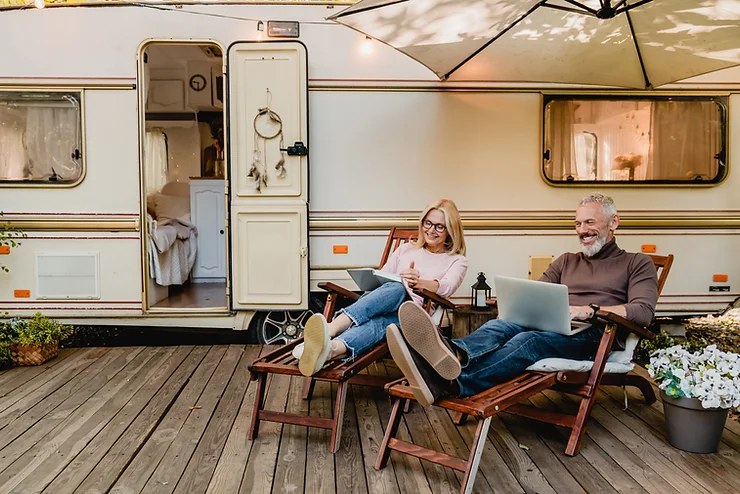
{"x":697,"y":389}
{"x":32,"y":341}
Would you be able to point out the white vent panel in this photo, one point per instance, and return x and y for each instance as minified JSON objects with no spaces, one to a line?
{"x":68,"y":276}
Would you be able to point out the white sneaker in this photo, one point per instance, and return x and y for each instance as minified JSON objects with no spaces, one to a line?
{"x":298,"y":351}
{"x":316,"y":345}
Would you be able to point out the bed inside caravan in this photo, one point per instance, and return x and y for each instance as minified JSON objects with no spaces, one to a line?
{"x":183,"y":179}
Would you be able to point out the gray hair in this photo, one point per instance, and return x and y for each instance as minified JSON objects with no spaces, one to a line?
{"x":606,"y":203}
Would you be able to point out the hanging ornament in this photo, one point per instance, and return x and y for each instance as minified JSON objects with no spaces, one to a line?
{"x":267,"y":126}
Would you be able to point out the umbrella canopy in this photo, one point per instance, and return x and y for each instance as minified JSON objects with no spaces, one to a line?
{"x":623,"y":43}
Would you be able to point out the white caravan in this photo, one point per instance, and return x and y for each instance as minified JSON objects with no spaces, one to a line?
{"x":194,"y":165}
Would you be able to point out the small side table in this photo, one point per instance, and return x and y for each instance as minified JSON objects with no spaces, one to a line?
{"x":466,"y":319}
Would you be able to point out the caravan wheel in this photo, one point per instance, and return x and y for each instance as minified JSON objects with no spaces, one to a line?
{"x":280,"y":327}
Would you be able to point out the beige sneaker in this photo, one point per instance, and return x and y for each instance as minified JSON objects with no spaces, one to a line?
{"x":422,"y":335}
{"x":316,"y":345}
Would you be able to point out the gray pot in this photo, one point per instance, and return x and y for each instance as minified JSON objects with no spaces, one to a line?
{"x":692,"y":427}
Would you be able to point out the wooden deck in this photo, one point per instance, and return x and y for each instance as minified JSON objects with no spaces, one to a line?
{"x":175,"y":419}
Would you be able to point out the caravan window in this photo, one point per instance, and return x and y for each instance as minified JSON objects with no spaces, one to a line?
{"x":656,"y":140}
{"x":40,"y":138}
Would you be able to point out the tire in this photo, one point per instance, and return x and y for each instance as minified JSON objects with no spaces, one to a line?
{"x":283,"y":327}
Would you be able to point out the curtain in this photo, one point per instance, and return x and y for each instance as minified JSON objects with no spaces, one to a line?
{"x":155,"y":160}
{"x":561,"y":141}
{"x":52,"y":137}
{"x":12,"y":151}
{"x":685,"y":137}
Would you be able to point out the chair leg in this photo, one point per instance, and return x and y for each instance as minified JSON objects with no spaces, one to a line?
{"x":390,"y":432}
{"x":259,"y":401}
{"x":336,"y":432}
{"x":308,"y":385}
{"x":406,"y":406}
{"x":459,"y":418}
{"x":643,"y":385}
{"x":579,"y":427}
{"x":476,"y":450}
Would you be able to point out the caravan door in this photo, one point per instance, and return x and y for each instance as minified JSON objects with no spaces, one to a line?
{"x":268,"y":110}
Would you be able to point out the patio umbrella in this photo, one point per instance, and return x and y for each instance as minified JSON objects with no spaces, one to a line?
{"x":623,"y":43}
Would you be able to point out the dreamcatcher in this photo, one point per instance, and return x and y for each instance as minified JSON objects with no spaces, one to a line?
{"x":267,"y":126}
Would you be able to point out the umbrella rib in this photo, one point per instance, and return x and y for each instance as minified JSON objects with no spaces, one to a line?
{"x":487,"y":43}
{"x":634,"y":5}
{"x":569,"y":9}
{"x":637,"y":49}
{"x":366,"y":9}
{"x":578,"y":4}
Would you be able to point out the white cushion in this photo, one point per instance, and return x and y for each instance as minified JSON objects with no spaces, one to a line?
{"x":619,"y":362}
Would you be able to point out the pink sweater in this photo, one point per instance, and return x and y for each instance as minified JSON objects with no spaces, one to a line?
{"x":448,"y":269}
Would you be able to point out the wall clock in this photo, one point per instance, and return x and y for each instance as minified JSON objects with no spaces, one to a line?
{"x":198,"y":82}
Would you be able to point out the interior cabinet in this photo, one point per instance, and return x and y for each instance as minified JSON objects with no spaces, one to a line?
{"x":207,"y":211}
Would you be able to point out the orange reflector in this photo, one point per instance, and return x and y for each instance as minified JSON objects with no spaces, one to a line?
{"x":720,"y":278}
{"x":341,"y":249}
{"x":4,"y":249}
{"x":649,"y":248}
{"x":21,"y":293}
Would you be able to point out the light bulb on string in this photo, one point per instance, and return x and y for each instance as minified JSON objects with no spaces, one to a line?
{"x":39,"y":4}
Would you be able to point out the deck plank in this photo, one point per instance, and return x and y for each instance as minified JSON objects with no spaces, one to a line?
{"x":291,"y":460}
{"x":138,"y":472}
{"x":12,"y":378}
{"x":38,"y":388}
{"x":119,"y":420}
{"x":327,"y":473}
{"x":198,"y":473}
{"x":168,"y":473}
{"x":39,"y":464}
{"x":229,"y":471}
{"x":260,"y":471}
{"x":104,"y":473}
{"x":44,"y":415}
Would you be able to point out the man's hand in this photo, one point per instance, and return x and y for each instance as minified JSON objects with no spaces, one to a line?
{"x":581,"y":312}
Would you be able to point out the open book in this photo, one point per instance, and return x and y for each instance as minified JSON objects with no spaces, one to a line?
{"x":368,"y":279}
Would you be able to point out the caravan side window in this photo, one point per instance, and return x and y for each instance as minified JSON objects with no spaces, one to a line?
{"x":40,"y":138}
{"x":652,"y":140}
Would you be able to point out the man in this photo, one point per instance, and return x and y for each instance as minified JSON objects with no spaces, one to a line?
{"x":602,"y":276}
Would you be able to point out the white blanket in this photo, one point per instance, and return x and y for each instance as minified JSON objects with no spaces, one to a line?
{"x":172,"y":249}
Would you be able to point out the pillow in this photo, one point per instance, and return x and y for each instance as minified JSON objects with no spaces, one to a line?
{"x":170,"y":207}
{"x":181,"y":189}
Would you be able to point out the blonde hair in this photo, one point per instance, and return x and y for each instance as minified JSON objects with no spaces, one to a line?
{"x":455,"y":241}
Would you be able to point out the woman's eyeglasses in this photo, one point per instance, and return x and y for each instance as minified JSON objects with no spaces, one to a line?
{"x":438,"y":227}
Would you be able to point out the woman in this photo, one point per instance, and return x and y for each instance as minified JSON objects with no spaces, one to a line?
{"x":436,"y":261}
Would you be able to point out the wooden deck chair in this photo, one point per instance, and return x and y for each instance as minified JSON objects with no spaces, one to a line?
{"x":281,"y":361}
{"x":507,"y":396}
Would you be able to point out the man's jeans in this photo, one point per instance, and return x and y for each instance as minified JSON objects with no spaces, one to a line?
{"x":370,"y":315}
{"x":500,"y":350}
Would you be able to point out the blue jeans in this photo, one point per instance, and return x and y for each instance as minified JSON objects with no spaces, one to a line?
{"x":370,"y":315}
{"x":500,"y":350}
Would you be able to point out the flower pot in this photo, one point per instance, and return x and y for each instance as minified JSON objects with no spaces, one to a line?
{"x":33,"y":354}
{"x":691,"y":427}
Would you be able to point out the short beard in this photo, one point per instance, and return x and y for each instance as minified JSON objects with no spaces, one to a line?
{"x":595,"y":248}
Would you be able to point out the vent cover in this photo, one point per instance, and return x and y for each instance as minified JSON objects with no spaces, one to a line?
{"x":68,"y":276}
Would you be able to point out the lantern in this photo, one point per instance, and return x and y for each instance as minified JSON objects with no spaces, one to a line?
{"x":481,"y":292}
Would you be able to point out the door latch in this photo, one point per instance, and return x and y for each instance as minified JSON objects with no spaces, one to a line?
{"x":297,"y":149}
{"x":304,"y":252}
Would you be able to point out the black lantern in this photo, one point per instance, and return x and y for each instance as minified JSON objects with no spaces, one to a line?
{"x":481,"y":292}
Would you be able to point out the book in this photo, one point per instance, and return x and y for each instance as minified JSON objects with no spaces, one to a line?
{"x":368,"y":279}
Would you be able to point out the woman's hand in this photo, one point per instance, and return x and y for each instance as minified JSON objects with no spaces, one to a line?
{"x":411,"y":275}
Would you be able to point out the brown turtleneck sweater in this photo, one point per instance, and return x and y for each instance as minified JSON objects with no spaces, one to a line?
{"x":611,"y":277}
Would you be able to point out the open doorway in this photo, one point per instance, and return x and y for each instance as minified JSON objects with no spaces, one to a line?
{"x":184,"y":176}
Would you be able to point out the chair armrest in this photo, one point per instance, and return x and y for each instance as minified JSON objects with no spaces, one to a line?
{"x":621,"y":321}
{"x":435,"y":298}
{"x":331,"y":287}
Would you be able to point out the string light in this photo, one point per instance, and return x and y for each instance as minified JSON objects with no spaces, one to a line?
{"x":39,"y":4}
{"x":367,"y":46}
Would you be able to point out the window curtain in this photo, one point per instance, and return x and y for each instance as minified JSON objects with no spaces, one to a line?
{"x":685,"y":138}
{"x":52,"y":136}
{"x":155,"y":160}
{"x":561,"y":140}
{"x":12,"y":151}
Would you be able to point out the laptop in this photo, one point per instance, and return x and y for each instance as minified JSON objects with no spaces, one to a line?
{"x":536,"y":304}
